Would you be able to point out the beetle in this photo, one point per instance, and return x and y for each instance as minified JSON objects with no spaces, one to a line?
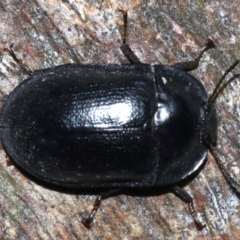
{"x":112,"y":126}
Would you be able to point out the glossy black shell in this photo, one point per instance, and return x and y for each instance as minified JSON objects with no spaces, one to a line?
{"x":86,"y":126}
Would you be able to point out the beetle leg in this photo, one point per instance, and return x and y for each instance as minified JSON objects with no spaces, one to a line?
{"x":184,"y":196}
{"x":126,"y":50}
{"x":87,"y":222}
{"x":24,"y":67}
{"x":191,"y":65}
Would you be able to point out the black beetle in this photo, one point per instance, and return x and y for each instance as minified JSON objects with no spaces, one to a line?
{"x":111,"y":126}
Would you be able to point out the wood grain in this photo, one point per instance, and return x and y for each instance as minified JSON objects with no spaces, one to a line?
{"x":47,"y":33}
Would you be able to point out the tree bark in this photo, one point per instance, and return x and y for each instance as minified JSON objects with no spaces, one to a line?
{"x":50,"y":33}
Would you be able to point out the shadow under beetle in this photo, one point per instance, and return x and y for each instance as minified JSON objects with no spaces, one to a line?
{"x":112,"y":126}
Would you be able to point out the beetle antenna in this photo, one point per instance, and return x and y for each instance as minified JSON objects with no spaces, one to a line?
{"x":218,"y":87}
{"x":219,"y":158}
{"x":220,"y":161}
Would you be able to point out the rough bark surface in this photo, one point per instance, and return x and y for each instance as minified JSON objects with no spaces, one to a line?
{"x":47,"y":33}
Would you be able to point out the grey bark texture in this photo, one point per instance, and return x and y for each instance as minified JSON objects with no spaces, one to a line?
{"x":46,"y":33}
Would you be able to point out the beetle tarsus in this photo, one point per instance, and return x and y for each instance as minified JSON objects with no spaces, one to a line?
{"x":87,"y":222}
{"x":126,"y":50}
{"x":184,"y":196}
{"x":191,"y":65}
{"x":23,"y":66}
{"x":198,"y":223}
